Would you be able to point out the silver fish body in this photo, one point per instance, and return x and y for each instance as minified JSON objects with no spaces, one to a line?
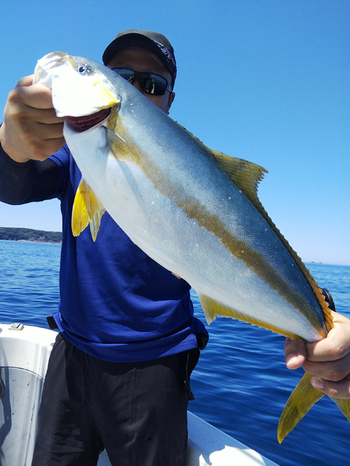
{"x":193,"y":210}
{"x":167,"y":192}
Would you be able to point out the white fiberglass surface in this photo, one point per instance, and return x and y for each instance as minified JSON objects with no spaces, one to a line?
{"x":20,"y":392}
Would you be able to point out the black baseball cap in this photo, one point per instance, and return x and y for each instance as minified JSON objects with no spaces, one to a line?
{"x":152,"y":41}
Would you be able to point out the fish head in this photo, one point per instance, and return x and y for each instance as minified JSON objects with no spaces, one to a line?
{"x":81,"y":88}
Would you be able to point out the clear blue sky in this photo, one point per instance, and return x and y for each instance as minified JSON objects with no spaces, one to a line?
{"x":264,"y":80}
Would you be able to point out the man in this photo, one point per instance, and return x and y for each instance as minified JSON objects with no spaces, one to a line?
{"x":118,"y":377}
{"x":119,"y":373}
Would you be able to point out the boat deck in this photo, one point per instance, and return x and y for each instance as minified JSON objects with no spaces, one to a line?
{"x":24,"y":355}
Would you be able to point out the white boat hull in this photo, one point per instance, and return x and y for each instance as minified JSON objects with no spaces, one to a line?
{"x":24,"y":355}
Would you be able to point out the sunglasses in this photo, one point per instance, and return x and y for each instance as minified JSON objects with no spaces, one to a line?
{"x":150,"y":83}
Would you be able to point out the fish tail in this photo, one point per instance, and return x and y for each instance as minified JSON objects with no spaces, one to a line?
{"x":303,"y":397}
{"x":344,"y":406}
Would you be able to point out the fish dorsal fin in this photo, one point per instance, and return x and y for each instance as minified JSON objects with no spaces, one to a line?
{"x":86,"y":209}
{"x":246,"y":175}
{"x":213,"y":308}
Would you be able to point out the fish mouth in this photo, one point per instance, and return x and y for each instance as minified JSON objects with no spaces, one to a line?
{"x":83,"y":123}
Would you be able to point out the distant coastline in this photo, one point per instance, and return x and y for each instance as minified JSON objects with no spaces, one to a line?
{"x":27,"y":234}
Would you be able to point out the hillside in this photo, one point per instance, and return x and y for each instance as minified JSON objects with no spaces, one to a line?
{"x":26,"y":234}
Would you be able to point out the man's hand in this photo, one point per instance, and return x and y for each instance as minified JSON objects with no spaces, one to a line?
{"x":328,"y":359}
{"x":31,"y":129}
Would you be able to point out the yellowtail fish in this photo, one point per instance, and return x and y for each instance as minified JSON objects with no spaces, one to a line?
{"x":193,"y":210}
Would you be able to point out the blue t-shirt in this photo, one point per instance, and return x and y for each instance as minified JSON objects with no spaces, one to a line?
{"x":116,"y":303}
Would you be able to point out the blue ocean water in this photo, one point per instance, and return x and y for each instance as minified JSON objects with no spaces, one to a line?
{"x":240,"y":383}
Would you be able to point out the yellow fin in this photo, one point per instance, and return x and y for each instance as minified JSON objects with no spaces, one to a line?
{"x":246,"y":175}
{"x":213,"y":308}
{"x":96,"y":222}
{"x":86,"y":209}
{"x":344,"y":406}
{"x":303,"y":397}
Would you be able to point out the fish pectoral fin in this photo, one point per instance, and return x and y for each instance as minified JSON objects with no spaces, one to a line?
{"x":213,"y":309}
{"x":303,"y":397}
{"x":344,"y":406}
{"x":86,"y":209}
{"x":121,"y":150}
{"x":95,"y":223}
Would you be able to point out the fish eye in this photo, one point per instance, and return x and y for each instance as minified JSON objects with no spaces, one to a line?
{"x":84,"y":69}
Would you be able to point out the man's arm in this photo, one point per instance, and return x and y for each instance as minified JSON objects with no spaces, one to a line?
{"x":31,"y":130}
{"x":29,"y":134}
{"x":26,"y":182}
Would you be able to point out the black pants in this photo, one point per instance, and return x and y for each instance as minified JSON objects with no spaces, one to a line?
{"x":137,"y":411}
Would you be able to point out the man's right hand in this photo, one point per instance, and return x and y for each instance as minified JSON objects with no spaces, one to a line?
{"x":31,"y":129}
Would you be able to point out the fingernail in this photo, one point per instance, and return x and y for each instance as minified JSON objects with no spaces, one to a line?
{"x":317,"y":383}
{"x":294,"y":362}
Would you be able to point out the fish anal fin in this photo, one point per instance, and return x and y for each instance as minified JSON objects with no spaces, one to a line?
{"x":213,"y":309}
{"x":86,"y":209}
{"x":303,"y":397}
